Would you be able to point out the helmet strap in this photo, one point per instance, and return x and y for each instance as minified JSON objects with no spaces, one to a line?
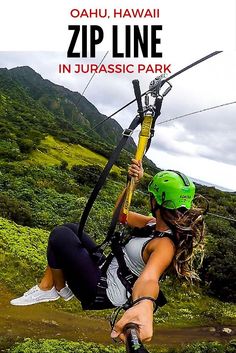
{"x":154,"y":205}
{"x":169,"y":224}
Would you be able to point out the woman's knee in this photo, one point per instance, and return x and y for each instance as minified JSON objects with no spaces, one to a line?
{"x":59,"y":235}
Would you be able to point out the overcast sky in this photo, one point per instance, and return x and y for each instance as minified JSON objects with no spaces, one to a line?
{"x":203,"y":145}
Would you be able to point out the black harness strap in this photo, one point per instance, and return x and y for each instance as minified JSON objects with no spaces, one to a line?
{"x":126,"y":134}
{"x":111,"y":230}
{"x":126,"y":277}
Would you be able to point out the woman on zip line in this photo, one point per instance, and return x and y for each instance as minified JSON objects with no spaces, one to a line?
{"x":165,"y":240}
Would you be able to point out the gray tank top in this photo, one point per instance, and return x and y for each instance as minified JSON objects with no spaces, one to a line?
{"x":116,"y":291}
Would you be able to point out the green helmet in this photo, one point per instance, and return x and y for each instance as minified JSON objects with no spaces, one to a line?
{"x":172,"y":189}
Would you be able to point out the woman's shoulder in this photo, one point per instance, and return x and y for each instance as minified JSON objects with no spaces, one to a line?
{"x":160,"y":248}
{"x":162,"y":239}
{"x":137,"y":220}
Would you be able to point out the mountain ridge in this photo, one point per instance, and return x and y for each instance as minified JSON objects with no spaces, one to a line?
{"x":35,"y":106}
{"x":38,"y":88}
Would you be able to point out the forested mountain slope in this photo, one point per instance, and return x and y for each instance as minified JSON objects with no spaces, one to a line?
{"x":32,"y":107}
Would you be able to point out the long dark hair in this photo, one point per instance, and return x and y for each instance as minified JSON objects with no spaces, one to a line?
{"x":188,"y":228}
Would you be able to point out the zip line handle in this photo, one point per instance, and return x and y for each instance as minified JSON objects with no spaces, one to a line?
{"x":138,"y":97}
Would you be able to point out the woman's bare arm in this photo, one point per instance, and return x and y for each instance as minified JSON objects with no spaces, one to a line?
{"x":161,"y":252}
{"x":158,"y":255}
{"x":135,"y":219}
{"x":138,"y":220}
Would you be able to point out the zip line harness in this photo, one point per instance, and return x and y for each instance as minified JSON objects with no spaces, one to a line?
{"x":146,"y":117}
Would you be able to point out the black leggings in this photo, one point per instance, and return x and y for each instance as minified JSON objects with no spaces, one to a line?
{"x":66,"y":252}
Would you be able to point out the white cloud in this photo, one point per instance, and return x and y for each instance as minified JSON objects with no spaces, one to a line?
{"x":215,"y":173}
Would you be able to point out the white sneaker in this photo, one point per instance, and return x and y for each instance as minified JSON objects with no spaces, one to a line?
{"x":66,"y":293}
{"x":36,"y":295}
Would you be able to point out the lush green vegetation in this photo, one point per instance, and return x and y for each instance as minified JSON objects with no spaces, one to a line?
{"x":57,"y":346}
{"x":219,"y":267}
{"x":61,"y":346}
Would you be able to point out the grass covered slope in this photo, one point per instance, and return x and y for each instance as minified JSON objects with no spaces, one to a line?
{"x":52,"y":152}
{"x":52,"y":185}
{"x":22,"y":255}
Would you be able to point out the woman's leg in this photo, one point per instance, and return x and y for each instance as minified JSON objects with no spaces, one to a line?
{"x":67,"y":253}
{"x":68,"y":260}
{"x":58,"y":278}
{"x":53,"y":277}
{"x":47,"y":282}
